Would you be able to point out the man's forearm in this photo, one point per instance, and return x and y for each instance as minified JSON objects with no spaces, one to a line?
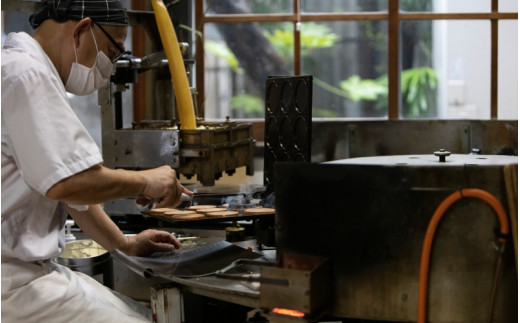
{"x":99,"y":227}
{"x":98,"y":184}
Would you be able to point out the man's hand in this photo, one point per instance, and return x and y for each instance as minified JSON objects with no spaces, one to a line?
{"x":162,"y":184}
{"x":99,"y":184}
{"x":150,"y":241}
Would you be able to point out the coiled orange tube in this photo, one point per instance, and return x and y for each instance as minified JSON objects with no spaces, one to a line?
{"x":430,"y":233}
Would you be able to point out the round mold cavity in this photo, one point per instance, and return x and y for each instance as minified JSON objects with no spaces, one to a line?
{"x":301,"y":96}
{"x":271,"y":135}
{"x":286,"y":156}
{"x":272,"y":98}
{"x":300,"y":133}
{"x":286,"y":134}
{"x":300,"y":157}
{"x":286,"y":97}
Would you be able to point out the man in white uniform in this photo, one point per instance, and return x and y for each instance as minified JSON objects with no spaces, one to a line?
{"x":51,"y":166}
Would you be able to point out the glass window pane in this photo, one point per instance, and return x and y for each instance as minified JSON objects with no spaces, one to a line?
{"x":446,"y":6}
{"x":418,"y":78}
{"x":247,"y":6}
{"x":508,"y":69}
{"x":348,"y":61}
{"x":334,"y":6}
{"x":238,"y":59}
{"x":462,"y":68}
{"x":508,"y":6}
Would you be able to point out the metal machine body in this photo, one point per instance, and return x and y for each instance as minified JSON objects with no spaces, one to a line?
{"x":209,"y":150}
{"x":369,"y":217}
{"x":206,"y":151}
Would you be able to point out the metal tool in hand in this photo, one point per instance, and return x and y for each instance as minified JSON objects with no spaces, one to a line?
{"x":145,"y":203}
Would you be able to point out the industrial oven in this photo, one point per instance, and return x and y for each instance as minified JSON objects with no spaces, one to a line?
{"x":369,"y":217}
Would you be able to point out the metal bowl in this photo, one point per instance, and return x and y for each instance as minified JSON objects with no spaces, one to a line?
{"x":82,"y":253}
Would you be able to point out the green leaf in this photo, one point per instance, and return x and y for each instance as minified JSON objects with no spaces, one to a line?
{"x":250,"y":104}
{"x":313,"y":36}
{"x":221,"y":50}
{"x":323,"y":113}
{"x":359,"y":89}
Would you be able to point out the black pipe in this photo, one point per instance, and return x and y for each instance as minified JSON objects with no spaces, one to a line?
{"x":118,"y":113}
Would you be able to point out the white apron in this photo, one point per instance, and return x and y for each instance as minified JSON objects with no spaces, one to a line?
{"x":67,"y":296}
{"x":43,"y":142}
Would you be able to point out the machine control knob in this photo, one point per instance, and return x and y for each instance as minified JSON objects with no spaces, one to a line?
{"x":442,"y":153}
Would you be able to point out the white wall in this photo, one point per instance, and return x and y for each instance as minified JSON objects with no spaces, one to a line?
{"x":462,"y":57}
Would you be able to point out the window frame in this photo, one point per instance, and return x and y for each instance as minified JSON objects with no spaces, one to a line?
{"x":393,"y":16}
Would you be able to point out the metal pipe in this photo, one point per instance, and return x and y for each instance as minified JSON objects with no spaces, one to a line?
{"x":254,"y":279}
{"x":118,"y":110}
{"x":138,"y":49}
{"x":501,"y":250}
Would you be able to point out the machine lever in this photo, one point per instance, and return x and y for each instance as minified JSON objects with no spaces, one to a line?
{"x":253,"y":278}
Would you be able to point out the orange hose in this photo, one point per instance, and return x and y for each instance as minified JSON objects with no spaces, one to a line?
{"x":430,"y":233}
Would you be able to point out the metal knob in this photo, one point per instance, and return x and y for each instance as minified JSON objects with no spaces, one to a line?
{"x":442,"y":153}
{"x":68,"y":231}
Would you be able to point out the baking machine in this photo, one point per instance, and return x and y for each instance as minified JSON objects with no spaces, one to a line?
{"x":408,"y":238}
{"x":205,"y":149}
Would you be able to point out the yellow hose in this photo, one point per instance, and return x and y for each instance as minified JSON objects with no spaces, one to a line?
{"x":176,"y":64}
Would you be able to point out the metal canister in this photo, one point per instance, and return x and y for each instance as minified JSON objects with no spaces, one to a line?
{"x":235,"y":233}
{"x":90,"y":258}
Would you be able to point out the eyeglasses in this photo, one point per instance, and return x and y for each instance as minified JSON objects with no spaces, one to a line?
{"x":119,"y":48}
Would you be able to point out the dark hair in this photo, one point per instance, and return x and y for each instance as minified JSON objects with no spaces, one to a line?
{"x":110,"y":12}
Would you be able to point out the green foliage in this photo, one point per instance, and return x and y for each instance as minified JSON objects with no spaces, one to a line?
{"x":358,"y":89}
{"x":252,"y":105}
{"x":323,"y":113}
{"x":313,"y":36}
{"x":282,"y":41}
{"x":221,"y":50}
{"x":418,"y":86}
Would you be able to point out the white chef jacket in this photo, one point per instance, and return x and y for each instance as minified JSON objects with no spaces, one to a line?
{"x":43,"y":142}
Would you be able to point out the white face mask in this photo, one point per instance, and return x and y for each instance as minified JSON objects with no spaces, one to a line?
{"x":84,"y":80}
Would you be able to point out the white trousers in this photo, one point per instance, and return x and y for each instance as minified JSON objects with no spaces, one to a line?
{"x":49,"y":292}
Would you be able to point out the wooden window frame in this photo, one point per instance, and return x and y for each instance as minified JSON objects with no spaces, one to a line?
{"x":393,"y":16}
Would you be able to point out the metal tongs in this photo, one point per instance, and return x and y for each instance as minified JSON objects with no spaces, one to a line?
{"x":145,"y":203}
{"x":186,"y":238}
{"x":250,"y":277}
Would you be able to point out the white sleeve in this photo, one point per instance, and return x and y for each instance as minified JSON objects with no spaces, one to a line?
{"x":49,"y":141}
